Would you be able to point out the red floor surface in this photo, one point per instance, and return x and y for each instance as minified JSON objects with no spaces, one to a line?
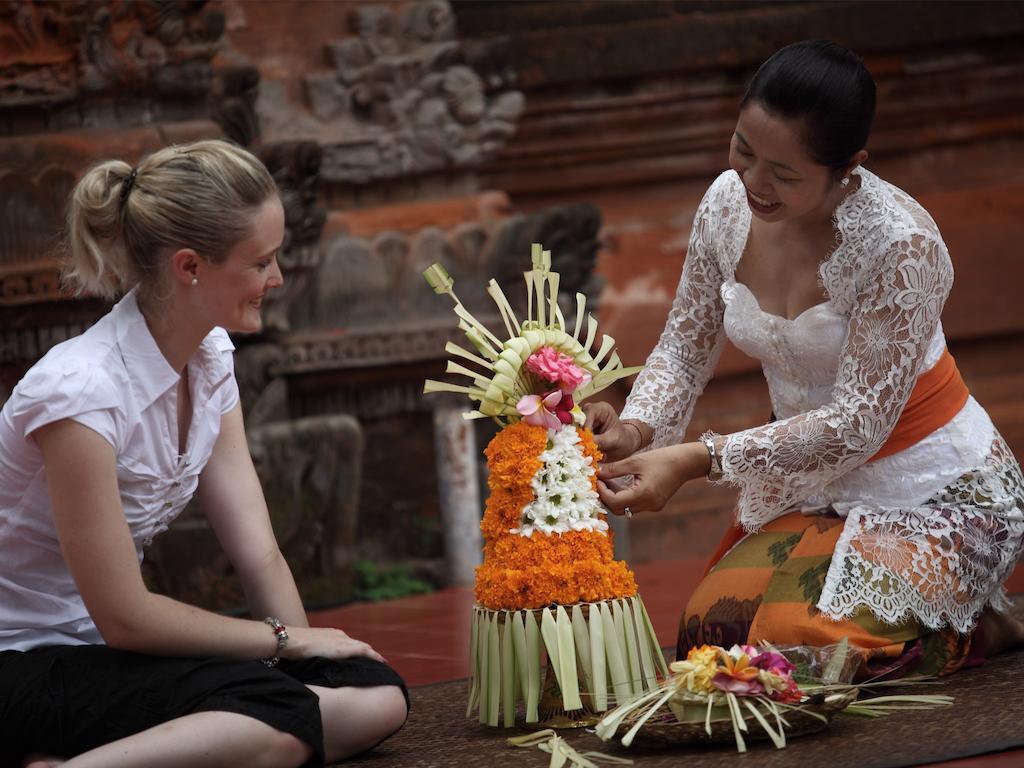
{"x":426,"y":638}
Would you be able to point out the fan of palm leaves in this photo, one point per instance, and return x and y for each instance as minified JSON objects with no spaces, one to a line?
{"x":500,"y":378}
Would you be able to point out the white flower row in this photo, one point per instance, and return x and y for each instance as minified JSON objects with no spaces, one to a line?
{"x":564,"y":499}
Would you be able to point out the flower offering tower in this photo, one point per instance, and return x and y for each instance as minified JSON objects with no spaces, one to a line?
{"x":549,"y":585}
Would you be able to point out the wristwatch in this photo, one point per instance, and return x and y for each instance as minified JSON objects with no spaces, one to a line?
{"x":715,"y":473}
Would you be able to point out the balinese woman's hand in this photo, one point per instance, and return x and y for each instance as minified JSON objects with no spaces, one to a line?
{"x":306,"y":642}
{"x":657,"y":475}
{"x":615,"y":439}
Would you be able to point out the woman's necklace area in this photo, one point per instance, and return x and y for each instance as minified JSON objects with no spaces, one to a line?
{"x":783,"y":273}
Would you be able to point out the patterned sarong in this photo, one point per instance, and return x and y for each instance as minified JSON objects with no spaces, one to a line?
{"x":766,"y":588}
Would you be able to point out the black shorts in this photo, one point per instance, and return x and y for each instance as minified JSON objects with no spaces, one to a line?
{"x":65,"y":700}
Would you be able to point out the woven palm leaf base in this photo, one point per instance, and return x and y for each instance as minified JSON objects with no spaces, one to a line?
{"x":597,"y":654}
{"x":987,"y":717}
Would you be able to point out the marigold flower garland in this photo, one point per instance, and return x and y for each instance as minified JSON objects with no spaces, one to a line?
{"x":531,"y":572}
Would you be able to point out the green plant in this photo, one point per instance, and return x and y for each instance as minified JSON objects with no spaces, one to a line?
{"x":386,"y":582}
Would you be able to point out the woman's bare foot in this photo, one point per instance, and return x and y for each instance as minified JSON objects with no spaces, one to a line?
{"x":1001,"y":632}
{"x":36,"y":760}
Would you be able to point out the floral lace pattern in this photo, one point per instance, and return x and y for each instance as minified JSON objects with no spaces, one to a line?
{"x":942,"y":562}
{"x":839,"y":376}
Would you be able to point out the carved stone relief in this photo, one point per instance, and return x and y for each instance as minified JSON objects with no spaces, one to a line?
{"x":367,"y":283}
{"x":85,"y":64}
{"x":370,"y":323}
{"x":400,"y":88}
{"x":35,"y":182}
{"x":233,"y":103}
{"x":18,"y":345}
{"x":310,"y":470}
{"x":317,"y":461}
{"x":295,"y":166}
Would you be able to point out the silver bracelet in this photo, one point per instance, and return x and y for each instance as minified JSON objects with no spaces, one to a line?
{"x":281,"y":633}
{"x":715,"y":472}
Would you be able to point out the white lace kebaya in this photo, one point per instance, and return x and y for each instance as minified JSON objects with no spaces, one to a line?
{"x":932,"y":531}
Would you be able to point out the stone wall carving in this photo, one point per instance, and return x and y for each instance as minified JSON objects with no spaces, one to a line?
{"x":401,"y":86}
{"x":295,"y":166}
{"x":232,"y":101}
{"x":87,"y":64}
{"x":374,"y":282}
{"x":39,"y":282}
{"x":370,"y":330}
{"x":69,"y":73}
{"x":310,"y":470}
{"x":21,"y":345}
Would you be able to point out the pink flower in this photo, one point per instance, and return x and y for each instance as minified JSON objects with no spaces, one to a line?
{"x":558,"y":368}
{"x":790,"y":693}
{"x":726,"y":682}
{"x":773,"y":661}
{"x":776,"y":673}
{"x":541,"y":411}
{"x":564,"y":408}
{"x":736,"y":674}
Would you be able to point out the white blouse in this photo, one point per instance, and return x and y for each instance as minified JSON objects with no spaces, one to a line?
{"x":114,"y":380}
{"x":839,"y":376}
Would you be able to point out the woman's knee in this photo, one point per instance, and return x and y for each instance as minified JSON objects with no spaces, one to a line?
{"x":358,"y":719}
{"x":386,"y":712}
{"x":284,"y":750}
{"x":393,"y":709}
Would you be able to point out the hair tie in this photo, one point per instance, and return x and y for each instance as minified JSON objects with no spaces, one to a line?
{"x":126,"y":185}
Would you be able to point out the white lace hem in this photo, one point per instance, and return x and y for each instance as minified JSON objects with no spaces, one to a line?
{"x":910,"y":573}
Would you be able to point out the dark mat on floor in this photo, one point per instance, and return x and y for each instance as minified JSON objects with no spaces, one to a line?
{"x":988,"y":717}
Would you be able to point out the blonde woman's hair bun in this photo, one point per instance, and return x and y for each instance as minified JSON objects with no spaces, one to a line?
{"x":123,"y":221}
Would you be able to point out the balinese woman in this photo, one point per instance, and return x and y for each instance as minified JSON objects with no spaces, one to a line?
{"x":880,"y":504}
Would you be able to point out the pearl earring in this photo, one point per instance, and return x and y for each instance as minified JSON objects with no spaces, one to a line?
{"x":195,"y":281}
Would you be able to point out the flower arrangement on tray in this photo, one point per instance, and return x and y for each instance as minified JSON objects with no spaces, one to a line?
{"x":549,"y":584}
{"x":748,"y":692}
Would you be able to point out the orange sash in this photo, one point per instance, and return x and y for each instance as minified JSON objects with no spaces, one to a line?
{"x":937,"y":397}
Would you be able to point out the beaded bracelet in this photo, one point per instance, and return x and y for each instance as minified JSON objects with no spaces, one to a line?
{"x":281,"y":633}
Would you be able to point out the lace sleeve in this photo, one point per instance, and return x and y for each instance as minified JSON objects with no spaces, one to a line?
{"x":684,"y":358}
{"x":894,"y":317}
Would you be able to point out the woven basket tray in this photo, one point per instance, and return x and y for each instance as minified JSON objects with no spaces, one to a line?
{"x":663,"y":730}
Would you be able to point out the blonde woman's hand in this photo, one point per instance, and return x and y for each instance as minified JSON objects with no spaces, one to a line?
{"x":306,"y":642}
{"x":657,"y":475}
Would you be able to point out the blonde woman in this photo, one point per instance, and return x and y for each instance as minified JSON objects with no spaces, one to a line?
{"x":102,"y":444}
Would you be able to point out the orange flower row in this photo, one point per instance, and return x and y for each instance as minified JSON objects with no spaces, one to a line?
{"x":531,"y":572}
{"x":513,"y":458}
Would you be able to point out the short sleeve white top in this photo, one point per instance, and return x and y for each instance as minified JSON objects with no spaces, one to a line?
{"x":114,"y":380}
